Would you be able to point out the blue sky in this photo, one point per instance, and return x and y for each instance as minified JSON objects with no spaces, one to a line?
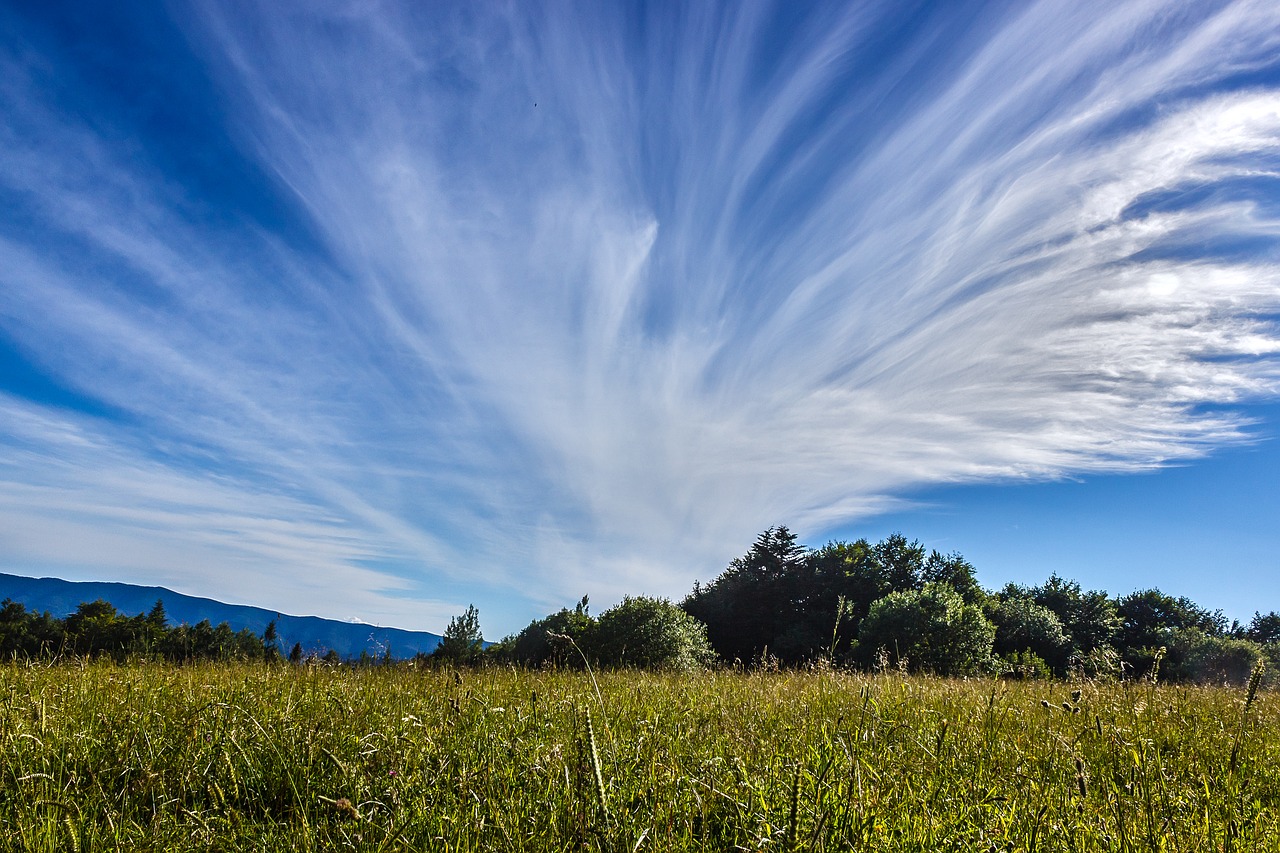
{"x":372,"y":310}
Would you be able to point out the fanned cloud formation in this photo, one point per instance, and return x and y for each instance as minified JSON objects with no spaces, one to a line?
{"x":497,"y":303}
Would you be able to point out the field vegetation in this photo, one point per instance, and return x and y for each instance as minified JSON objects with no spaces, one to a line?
{"x":97,"y":755}
{"x":869,"y":697}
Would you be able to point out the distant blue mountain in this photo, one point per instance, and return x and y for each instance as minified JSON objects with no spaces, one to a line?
{"x":61,"y":598}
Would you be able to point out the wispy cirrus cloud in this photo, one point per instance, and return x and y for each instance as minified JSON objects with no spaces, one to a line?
{"x":584,"y":301}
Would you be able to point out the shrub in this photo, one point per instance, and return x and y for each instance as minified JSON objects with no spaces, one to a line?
{"x":1205,"y":659}
{"x":651,"y":633}
{"x":933,"y":629}
{"x":1024,"y":665}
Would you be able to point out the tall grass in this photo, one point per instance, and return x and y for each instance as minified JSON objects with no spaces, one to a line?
{"x":103,"y":757}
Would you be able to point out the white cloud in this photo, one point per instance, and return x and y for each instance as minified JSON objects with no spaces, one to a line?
{"x":597,"y":344}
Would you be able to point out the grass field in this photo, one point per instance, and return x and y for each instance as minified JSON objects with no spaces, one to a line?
{"x":101,"y":757}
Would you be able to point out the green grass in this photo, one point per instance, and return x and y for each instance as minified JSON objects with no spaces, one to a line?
{"x":101,"y":757}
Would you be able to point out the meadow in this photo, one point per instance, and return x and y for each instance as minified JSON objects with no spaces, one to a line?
{"x":100,"y":756}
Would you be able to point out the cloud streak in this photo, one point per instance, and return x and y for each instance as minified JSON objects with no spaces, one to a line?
{"x":733,"y":269}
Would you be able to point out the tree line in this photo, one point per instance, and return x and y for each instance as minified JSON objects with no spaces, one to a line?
{"x":897,"y":604}
{"x":97,"y":629}
{"x":889,"y":605}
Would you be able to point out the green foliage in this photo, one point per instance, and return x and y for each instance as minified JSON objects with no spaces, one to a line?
{"x":542,"y":642}
{"x":898,"y":563}
{"x":1023,"y":665}
{"x":954,"y":571}
{"x":462,"y":643}
{"x":931,"y":630}
{"x":1089,"y":618}
{"x":1200,"y":658}
{"x":270,"y":642}
{"x":651,"y":633}
{"x":156,"y":618}
{"x":240,"y":757}
{"x":1024,"y":626}
{"x":1148,"y":616}
{"x":96,"y":629}
{"x":26,"y":636}
{"x":754,"y":600}
{"x":780,"y":604}
{"x":801,"y":605}
{"x":1271,"y":660}
{"x":1264,"y":629}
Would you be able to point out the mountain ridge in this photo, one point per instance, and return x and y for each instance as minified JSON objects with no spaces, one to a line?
{"x":315,"y":634}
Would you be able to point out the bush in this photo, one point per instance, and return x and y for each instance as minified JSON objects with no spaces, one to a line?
{"x":1205,"y":659}
{"x":1271,"y":658}
{"x":651,"y":633}
{"x":932,"y":629}
{"x":1024,"y":666}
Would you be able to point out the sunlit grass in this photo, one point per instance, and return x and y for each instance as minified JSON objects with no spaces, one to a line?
{"x":102,"y":757}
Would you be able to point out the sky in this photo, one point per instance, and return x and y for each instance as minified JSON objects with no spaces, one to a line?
{"x":372,"y":310}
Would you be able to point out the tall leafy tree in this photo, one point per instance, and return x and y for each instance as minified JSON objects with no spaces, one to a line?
{"x":799,"y":604}
{"x":1023,"y":626}
{"x":899,"y":563}
{"x":95,"y":627}
{"x":1148,"y":615}
{"x":1089,"y":618}
{"x":956,"y":572}
{"x":551,"y":640}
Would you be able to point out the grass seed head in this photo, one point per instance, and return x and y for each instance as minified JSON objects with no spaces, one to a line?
{"x":1255,"y":679}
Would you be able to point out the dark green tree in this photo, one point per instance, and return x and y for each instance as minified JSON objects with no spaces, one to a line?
{"x":462,"y":642}
{"x":1089,"y":618}
{"x":96,"y":628}
{"x":899,"y":563}
{"x":799,"y":604}
{"x":16,"y":636}
{"x":270,"y":642}
{"x":1022,"y":626}
{"x":956,"y":572}
{"x":1149,"y":621}
{"x":1146,"y":617}
{"x":1264,"y":628}
{"x":754,"y":600}
{"x":550,"y":641}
